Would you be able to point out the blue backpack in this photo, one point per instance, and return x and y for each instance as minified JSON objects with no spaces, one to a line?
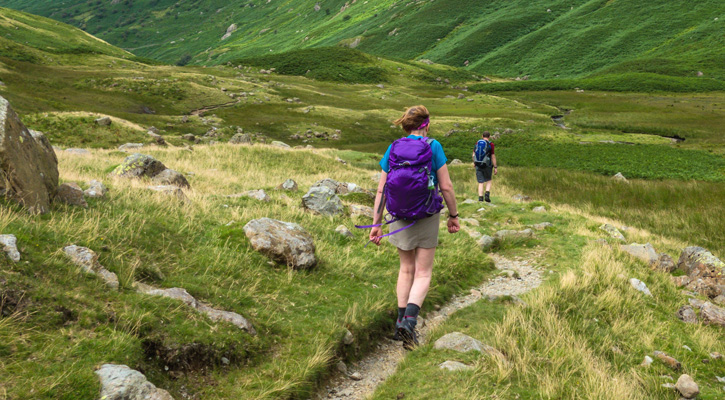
{"x":482,"y":157}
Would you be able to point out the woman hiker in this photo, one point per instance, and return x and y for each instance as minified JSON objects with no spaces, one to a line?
{"x":416,"y":236}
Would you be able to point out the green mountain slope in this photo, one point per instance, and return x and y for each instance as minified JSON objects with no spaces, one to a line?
{"x":543,"y":39}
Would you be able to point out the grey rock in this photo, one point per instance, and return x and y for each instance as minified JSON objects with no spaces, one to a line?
{"x":87,"y":260}
{"x":241,"y":138}
{"x":72,"y":194}
{"x":10,"y":247}
{"x":348,"y":338}
{"x":130,"y":146}
{"x":259,"y":194}
{"x":612,"y":232}
{"x":712,"y":314}
{"x":190,"y":137}
{"x":486,"y":242}
{"x":103,"y":121}
{"x":640,"y":286}
{"x":154,"y":130}
{"x":171,"y":191}
{"x":342,"y":367}
{"x":284,"y":242}
{"x":687,"y":314}
{"x":357,"y":210}
{"x":469,"y":201}
{"x":719,"y":300}
{"x":280,"y":145}
{"x":78,"y":152}
{"x":664,"y":263}
{"x":644,"y":252}
{"x":172,"y":293}
{"x":139,"y":165}
{"x":504,"y":234}
{"x":171,"y":177}
{"x":342,"y":230}
{"x":461,"y":343}
{"x":456,"y":162}
{"x":454,"y":366}
{"x":540,"y":209}
{"x":226,"y":316}
{"x":700,"y":262}
{"x":542,"y":226}
{"x":157,"y":138}
{"x":289,"y":185}
{"x":356,"y":376}
{"x":521,"y":198}
{"x":687,"y":387}
{"x":96,"y":190}
{"x":28,"y":163}
{"x":322,"y":200}
{"x":619,"y":177}
{"x":119,"y":382}
{"x":647,"y":361}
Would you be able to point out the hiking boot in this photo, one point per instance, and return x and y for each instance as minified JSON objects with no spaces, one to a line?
{"x":397,"y":336}
{"x":480,"y":199}
{"x":488,"y":198}
{"x":406,"y":329}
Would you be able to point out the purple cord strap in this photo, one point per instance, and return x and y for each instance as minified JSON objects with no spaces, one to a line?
{"x":384,"y":223}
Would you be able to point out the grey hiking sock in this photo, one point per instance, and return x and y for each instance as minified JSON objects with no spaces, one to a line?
{"x":412,"y":311}
{"x":401,"y":313}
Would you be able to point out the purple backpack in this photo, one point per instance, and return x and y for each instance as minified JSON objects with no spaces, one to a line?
{"x":410,"y":193}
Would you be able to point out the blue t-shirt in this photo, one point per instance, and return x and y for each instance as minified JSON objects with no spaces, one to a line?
{"x":439,"y":157}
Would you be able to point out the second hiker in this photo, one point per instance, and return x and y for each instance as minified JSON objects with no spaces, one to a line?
{"x":486,"y":166}
{"x":414,"y":168}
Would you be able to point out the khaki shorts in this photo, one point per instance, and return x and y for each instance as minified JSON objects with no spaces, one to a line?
{"x":424,"y":234}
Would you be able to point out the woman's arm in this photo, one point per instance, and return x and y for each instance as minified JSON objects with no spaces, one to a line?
{"x":377,"y":232}
{"x":446,"y":186}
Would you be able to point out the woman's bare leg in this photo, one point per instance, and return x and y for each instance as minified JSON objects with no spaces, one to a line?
{"x":423,"y":272}
{"x":405,"y":276}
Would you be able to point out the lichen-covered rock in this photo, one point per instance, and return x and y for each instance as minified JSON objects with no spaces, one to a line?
{"x":322,"y":200}
{"x":644,"y":252}
{"x":96,"y":189}
{"x":664,"y":263}
{"x":28,"y":163}
{"x":139,"y":165}
{"x":612,"y":232}
{"x":697,"y":261}
{"x":87,"y":260}
{"x":259,"y":194}
{"x":171,"y":177}
{"x":10,"y":247}
{"x":71,"y":193}
{"x":357,"y":210}
{"x":289,"y":185}
{"x":119,"y":382}
{"x":241,"y":138}
{"x":284,"y":242}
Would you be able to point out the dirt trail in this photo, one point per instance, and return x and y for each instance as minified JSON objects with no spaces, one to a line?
{"x":383,"y":361}
{"x":201,"y":111}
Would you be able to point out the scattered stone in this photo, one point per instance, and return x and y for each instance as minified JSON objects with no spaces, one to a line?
{"x":241,"y":138}
{"x":130,"y":146}
{"x":357,"y":210}
{"x":342,"y":230}
{"x":190,"y":137}
{"x":716,"y":356}
{"x":340,"y":160}
{"x":139,"y":165}
{"x":28,"y":163}
{"x":10,"y":247}
{"x":454,"y":366}
{"x":156,"y":137}
{"x":356,"y":376}
{"x":87,"y":260}
{"x":613,"y":232}
{"x":542,"y":226}
{"x":664,"y":263}
{"x":96,"y":190}
{"x":644,"y":252}
{"x":119,"y":382}
{"x":639,"y":285}
{"x":72,"y":194}
{"x":322,"y":200}
{"x":259,"y":194}
{"x":687,"y":314}
{"x":280,"y":144}
{"x":170,"y":190}
{"x":171,"y":177}
{"x":669,"y":361}
{"x":456,"y":162}
{"x":521,"y":198}
{"x":469,"y":201}
{"x":647,"y":361}
{"x":461,"y":343}
{"x":686,"y":347}
{"x":284,"y":242}
{"x":668,"y":385}
{"x":342,"y":367}
{"x":288,"y":185}
{"x":712,"y":314}
{"x":506,"y":233}
{"x":540,"y":209}
{"x":103,"y":121}
{"x":348,"y":338}
{"x":687,"y":386}
{"x":486,"y":242}
{"x":619,"y":177}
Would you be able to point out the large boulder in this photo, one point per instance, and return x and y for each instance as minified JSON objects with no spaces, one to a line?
{"x":28,"y":165}
{"x":119,"y":382}
{"x":322,"y":200}
{"x":171,"y":177}
{"x":284,"y":242}
{"x":139,"y":165}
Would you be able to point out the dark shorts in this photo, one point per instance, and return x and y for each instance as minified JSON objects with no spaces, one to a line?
{"x":484,"y":174}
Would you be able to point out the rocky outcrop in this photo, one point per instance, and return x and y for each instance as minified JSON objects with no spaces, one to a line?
{"x":72,"y":194}
{"x":230,"y":30}
{"x":138,"y":166}
{"x":119,"y":382}
{"x":322,"y":200}
{"x":284,"y":242}
{"x":705,"y":272}
{"x":10,"y":247}
{"x":184,"y":296}
{"x":87,"y":260}
{"x":28,"y":165}
{"x":171,"y":177}
{"x":619,"y":177}
{"x":279,"y":144}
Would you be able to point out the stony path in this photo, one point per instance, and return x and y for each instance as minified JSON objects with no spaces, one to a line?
{"x":365,"y":375}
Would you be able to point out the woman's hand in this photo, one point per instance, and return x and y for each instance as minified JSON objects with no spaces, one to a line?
{"x":375,"y":235}
{"x":453,"y":225}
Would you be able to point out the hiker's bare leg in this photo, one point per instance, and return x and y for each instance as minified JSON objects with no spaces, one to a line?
{"x":488,"y":186}
{"x":405,"y":276}
{"x":423,"y":272}
{"x":480,"y":189}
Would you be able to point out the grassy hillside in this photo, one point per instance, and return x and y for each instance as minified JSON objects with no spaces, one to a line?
{"x":542,"y":39}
